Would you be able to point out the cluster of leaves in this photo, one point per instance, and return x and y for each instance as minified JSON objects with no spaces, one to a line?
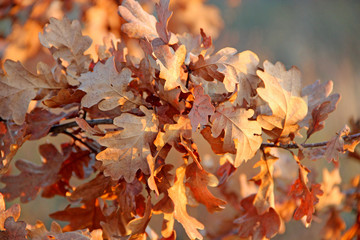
{"x":155,"y":90}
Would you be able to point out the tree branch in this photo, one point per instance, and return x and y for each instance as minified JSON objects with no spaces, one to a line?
{"x":307,"y":145}
{"x":88,"y":145}
{"x":59,"y":128}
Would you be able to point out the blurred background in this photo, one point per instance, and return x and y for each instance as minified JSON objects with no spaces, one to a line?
{"x":321,"y":38}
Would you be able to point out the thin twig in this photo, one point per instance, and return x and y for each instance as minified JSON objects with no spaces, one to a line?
{"x":89,"y":146}
{"x":59,"y":128}
{"x":307,"y":145}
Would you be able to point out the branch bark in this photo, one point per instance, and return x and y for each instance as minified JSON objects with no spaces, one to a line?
{"x":60,"y":128}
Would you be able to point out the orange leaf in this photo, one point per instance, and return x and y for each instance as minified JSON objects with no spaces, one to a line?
{"x":32,"y":178}
{"x":240,"y":133}
{"x":201,"y":109}
{"x":139,"y":24}
{"x":265,"y":197}
{"x":197,"y":181}
{"x":282,"y":93}
{"x":255,"y":225}
{"x":127,"y":150}
{"x":178,"y":196}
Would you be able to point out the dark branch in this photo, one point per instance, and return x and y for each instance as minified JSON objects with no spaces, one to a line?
{"x":59,"y":128}
{"x":88,"y":145}
{"x":307,"y":145}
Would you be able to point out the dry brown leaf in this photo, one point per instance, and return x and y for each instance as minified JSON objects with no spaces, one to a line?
{"x":106,"y":85}
{"x":308,"y":197}
{"x":18,"y":88}
{"x":258,"y":226}
{"x":336,"y":145}
{"x":333,"y":226}
{"x":320,"y":114}
{"x":127,"y":150}
{"x":171,"y":68}
{"x":198,"y":180}
{"x":317,"y":94}
{"x":172,"y":134}
{"x":13,"y":211}
{"x":282,"y":93}
{"x":330,"y":185}
{"x":14,"y":230}
{"x":178,"y":196}
{"x":64,"y":97}
{"x":164,"y":15}
{"x":138,"y":225}
{"x":39,"y":232}
{"x":87,"y":216}
{"x":84,"y":125}
{"x":39,"y":122}
{"x":66,"y":37}
{"x":264,"y":198}
{"x":33,"y":177}
{"x":12,"y":137}
{"x":201,"y":109}
{"x":234,"y":68}
{"x":139,"y":24}
{"x":240,"y":133}
{"x":320,"y":104}
{"x":92,"y":189}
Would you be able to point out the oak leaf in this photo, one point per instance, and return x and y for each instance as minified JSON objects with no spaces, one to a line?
{"x":330,"y":185}
{"x":232,"y":68}
{"x":92,"y":189}
{"x":320,"y":104}
{"x":39,"y":232}
{"x":87,"y":216}
{"x":164,"y":15}
{"x":171,"y":67}
{"x":198,"y":180}
{"x":39,"y":121}
{"x":13,"y":211}
{"x":225,"y":171}
{"x":12,"y":137}
{"x":240,"y":133}
{"x":14,"y":230}
{"x":33,"y":177}
{"x":253,"y":224}
{"x":173,"y":132}
{"x":78,"y":162}
{"x":138,"y":225}
{"x":139,"y":24}
{"x":106,"y":85}
{"x":127,"y":150}
{"x":64,"y":97}
{"x":264,"y":198}
{"x":18,"y":88}
{"x":282,"y":93}
{"x":201,"y":109}
{"x":308,"y":197}
{"x":178,"y":196}
{"x":333,"y":226}
{"x":336,"y":145}
{"x":69,"y":43}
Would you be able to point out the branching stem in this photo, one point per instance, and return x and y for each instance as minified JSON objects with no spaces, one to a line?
{"x":307,"y":145}
{"x":59,"y":128}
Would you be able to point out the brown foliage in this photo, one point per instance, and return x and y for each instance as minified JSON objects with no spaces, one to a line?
{"x":155,"y":90}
